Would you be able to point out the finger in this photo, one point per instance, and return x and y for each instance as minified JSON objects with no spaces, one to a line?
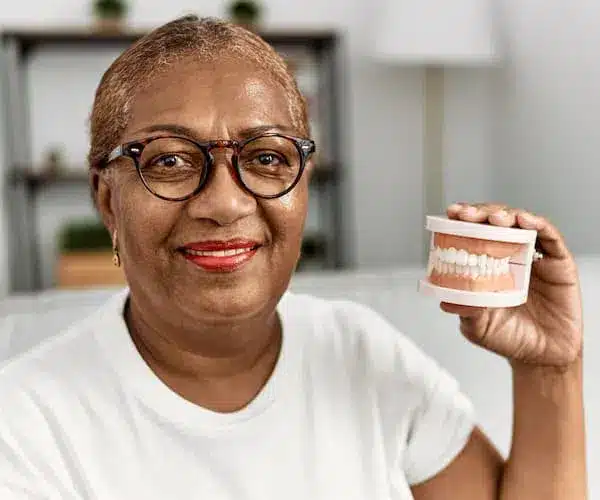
{"x":473,"y":212}
{"x":550,"y":240}
{"x":462,"y":311}
{"x":453,"y":210}
{"x":504,"y":217}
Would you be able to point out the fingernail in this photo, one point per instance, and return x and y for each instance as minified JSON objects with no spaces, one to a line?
{"x":455,"y":207}
{"x":471,"y":210}
{"x":500,"y":213}
{"x":528,"y":216}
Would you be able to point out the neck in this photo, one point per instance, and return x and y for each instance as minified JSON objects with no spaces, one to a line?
{"x":214,"y":350}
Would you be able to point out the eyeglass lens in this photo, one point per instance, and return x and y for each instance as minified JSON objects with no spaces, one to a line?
{"x":174,"y":167}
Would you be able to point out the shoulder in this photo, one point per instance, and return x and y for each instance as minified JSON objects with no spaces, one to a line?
{"x":60,"y":358}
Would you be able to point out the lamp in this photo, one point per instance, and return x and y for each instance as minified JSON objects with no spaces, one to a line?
{"x":435,"y":34}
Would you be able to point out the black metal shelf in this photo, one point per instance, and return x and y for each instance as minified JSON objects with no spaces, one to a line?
{"x":31,"y":38}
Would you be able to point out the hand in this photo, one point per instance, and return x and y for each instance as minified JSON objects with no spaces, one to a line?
{"x":548,"y":329}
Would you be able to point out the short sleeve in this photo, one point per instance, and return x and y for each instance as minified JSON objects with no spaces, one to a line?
{"x":426,"y":415}
{"x":440,"y":428}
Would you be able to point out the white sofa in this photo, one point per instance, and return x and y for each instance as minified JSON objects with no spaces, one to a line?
{"x":27,"y":320}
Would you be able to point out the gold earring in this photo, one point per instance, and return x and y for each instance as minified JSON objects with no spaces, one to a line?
{"x":115,"y":249}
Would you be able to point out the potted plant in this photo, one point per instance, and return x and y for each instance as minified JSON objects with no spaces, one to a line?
{"x":85,"y":258}
{"x":246,"y":13}
{"x":110,"y":14}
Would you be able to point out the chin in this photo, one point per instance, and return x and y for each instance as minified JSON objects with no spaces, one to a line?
{"x":221,"y":299}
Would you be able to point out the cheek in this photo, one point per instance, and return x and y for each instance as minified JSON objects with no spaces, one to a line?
{"x":144,"y":221}
{"x":286,"y":216}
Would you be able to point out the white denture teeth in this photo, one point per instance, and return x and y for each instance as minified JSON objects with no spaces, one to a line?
{"x":462,"y":257}
{"x":462,"y":263}
{"x":452,"y":255}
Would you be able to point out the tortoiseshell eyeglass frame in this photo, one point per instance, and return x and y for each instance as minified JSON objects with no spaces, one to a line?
{"x":134,"y":149}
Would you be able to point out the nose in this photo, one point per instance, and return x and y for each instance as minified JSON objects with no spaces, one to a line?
{"x":222,"y":199}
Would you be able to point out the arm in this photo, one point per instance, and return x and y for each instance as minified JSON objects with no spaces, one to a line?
{"x":547,"y":457}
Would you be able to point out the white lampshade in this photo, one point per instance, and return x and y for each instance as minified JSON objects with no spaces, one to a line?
{"x":436,"y":32}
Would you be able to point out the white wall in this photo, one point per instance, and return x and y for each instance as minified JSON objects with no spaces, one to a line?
{"x":547,"y":153}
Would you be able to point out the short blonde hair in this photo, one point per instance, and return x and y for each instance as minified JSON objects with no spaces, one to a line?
{"x":206,"y":39}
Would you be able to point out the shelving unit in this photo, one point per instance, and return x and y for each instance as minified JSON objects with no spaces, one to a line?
{"x":316,"y":51}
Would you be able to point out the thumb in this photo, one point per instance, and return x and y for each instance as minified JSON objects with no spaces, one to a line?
{"x":474,"y":321}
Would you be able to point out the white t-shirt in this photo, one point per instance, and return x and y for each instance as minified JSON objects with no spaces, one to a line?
{"x":353,"y":410}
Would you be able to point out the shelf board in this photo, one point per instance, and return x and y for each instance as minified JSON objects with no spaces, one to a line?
{"x":29,"y":38}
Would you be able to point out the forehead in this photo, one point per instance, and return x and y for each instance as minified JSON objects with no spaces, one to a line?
{"x":213,"y":99}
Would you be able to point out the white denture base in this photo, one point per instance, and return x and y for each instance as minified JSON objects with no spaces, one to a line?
{"x":463,"y":263}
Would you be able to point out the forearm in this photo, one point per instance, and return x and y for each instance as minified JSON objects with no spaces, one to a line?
{"x":547,"y":458}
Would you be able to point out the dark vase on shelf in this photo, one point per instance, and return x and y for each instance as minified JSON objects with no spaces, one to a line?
{"x":246,"y":13}
{"x":109,"y":15}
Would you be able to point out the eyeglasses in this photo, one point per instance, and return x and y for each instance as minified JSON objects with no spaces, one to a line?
{"x":177,"y":168}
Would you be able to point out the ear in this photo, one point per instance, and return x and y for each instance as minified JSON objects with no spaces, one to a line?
{"x":101,"y":183}
{"x":309,"y":168}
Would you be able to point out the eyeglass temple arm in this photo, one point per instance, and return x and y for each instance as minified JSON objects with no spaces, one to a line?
{"x":114,"y":154}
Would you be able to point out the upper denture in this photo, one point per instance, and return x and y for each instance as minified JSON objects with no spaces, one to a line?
{"x":475,"y":246}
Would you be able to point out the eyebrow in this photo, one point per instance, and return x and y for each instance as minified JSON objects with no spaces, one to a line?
{"x":246,"y":133}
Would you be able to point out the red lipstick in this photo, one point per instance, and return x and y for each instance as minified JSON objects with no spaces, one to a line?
{"x":220,"y":256}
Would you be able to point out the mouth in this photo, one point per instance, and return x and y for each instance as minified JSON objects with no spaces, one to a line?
{"x":220,"y":256}
{"x":471,"y":264}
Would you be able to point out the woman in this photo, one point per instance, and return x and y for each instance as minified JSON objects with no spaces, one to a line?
{"x":206,"y":379}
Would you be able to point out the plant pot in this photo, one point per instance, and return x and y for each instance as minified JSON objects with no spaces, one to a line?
{"x":83,"y":269}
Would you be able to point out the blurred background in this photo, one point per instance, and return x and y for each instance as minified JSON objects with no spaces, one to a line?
{"x":412,"y":107}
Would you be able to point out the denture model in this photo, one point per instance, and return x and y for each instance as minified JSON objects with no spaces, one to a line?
{"x":478,"y":264}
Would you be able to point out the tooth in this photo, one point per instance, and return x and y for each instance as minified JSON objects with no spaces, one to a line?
{"x":496,"y":267}
{"x":489,"y":268}
{"x":452,"y":268}
{"x":444,"y":268}
{"x":482,"y":260}
{"x":229,"y":253}
{"x":474,"y":272}
{"x":438,"y":266}
{"x":465,"y":270}
{"x":452,"y":255}
{"x":462,"y":257}
{"x":473,"y":259}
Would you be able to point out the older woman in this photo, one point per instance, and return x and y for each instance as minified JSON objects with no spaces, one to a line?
{"x":207,"y":379}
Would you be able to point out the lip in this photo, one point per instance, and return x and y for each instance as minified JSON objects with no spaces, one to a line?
{"x":226,"y":255}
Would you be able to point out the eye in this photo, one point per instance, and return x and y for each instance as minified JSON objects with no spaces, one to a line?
{"x":269,"y":159}
{"x":169,"y":161}
{"x":266,"y":158}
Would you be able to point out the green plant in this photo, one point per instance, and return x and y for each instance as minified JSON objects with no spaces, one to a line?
{"x":110,"y":8}
{"x":245,"y":10}
{"x":84,"y":235}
